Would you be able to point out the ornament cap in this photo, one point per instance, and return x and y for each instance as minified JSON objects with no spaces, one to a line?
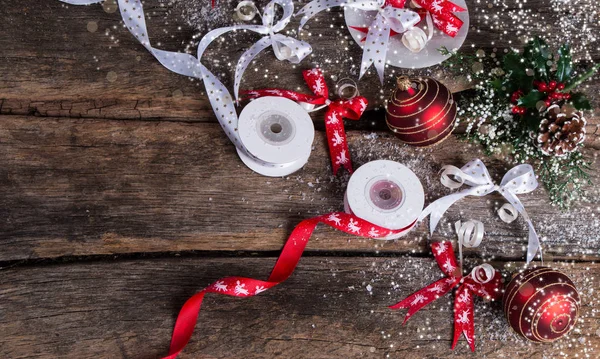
{"x":403,"y":83}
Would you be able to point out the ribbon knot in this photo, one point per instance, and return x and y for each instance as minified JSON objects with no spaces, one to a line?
{"x":484,"y":281}
{"x":441,"y":12}
{"x":351,"y":109}
{"x":518,"y":180}
{"x":284,"y":47}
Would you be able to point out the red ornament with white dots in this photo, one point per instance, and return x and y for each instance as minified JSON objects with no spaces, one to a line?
{"x":541,"y":304}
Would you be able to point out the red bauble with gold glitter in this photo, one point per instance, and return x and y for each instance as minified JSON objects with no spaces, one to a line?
{"x":541,"y":304}
{"x":421,"y":112}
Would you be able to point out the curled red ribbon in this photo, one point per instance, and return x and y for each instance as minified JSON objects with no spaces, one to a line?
{"x":336,"y":110}
{"x":284,"y":267}
{"x":463,"y":301}
{"x":442,"y":15}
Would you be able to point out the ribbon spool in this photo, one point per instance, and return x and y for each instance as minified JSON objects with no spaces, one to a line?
{"x":385,"y":193}
{"x":276,"y":135}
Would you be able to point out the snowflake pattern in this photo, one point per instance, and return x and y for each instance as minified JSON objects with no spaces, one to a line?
{"x":436,"y":6}
{"x":341,"y":158}
{"x":274,"y":92}
{"x":363,"y":104}
{"x":464,"y":297}
{"x":259,"y":289}
{"x":319,"y":86}
{"x":333,"y":119}
{"x":335,"y":218}
{"x":463,"y":317}
{"x":220,"y":286}
{"x":293,"y":95}
{"x":419,"y":298}
{"x":353,"y":226}
{"x":240,"y":289}
{"x":448,"y":266}
{"x":441,"y":248}
{"x":451,"y":29}
{"x":314,"y":72}
{"x":437,"y":288}
{"x":337,"y":138}
{"x":373,"y":232}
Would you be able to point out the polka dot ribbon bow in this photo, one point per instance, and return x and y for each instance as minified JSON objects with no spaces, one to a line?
{"x":351,"y":108}
{"x":284,"y":47}
{"x":284,"y":267}
{"x":391,"y":19}
{"x":483,"y":281}
{"x":518,"y":180}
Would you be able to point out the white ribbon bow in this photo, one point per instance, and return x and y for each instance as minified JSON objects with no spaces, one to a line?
{"x":520,"y":179}
{"x":284,"y":47}
{"x":377,"y":41}
{"x":183,"y":64}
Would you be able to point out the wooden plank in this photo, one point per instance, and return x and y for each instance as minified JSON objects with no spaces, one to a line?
{"x":73,"y":187}
{"x":126,"y":309}
{"x":53,"y":66}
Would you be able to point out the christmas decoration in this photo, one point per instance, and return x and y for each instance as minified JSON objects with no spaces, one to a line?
{"x":421,"y":112}
{"x":541,"y":304}
{"x":518,"y":180}
{"x":483,"y":281}
{"x":561,"y":131}
{"x":284,"y":47}
{"x":284,"y":267}
{"x":507,"y":110}
{"x":351,"y":108}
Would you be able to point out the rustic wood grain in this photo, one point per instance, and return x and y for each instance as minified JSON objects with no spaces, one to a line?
{"x":126,"y":309}
{"x":73,"y":187}
{"x":53,"y":66}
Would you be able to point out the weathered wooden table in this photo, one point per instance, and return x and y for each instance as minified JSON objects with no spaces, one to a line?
{"x":120,"y":197}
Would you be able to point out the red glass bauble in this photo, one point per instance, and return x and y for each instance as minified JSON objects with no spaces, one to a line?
{"x":421,"y":112}
{"x":541,"y":304}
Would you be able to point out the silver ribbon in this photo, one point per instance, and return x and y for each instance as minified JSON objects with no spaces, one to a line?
{"x":220,"y":99}
{"x":520,"y":179}
{"x":470,"y":235}
{"x":377,"y":41}
{"x":284,"y":47}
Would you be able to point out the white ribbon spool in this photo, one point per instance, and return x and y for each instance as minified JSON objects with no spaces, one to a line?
{"x":344,"y":84}
{"x":385,"y":193}
{"x":277,"y":135}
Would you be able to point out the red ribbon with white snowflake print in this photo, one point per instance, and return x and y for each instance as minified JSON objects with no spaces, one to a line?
{"x":284,"y":267}
{"x":441,"y":12}
{"x":336,"y":110}
{"x":483,"y":281}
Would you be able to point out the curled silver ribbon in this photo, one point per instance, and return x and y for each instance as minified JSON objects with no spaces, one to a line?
{"x":483,"y":273}
{"x":284,"y":47}
{"x":470,"y":235}
{"x":518,"y":180}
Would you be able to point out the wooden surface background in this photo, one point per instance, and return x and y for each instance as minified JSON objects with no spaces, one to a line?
{"x":120,"y":197}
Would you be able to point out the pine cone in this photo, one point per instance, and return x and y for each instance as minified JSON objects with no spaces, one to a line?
{"x":561,"y":130}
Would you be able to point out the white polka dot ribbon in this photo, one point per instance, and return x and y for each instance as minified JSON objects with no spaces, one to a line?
{"x":185,"y":64}
{"x":518,"y":180}
{"x":284,"y":47}
{"x":388,"y":18}
{"x":470,"y":235}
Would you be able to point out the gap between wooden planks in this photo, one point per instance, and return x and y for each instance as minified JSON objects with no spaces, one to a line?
{"x":126,"y":309}
{"x":73,"y":187}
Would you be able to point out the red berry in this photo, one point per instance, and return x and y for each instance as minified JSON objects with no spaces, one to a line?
{"x":522,"y":110}
{"x":560,"y":86}
{"x":567,"y":96}
{"x":552,"y":85}
{"x":542,"y":86}
{"x":515,"y":110}
{"x":548,"y":103}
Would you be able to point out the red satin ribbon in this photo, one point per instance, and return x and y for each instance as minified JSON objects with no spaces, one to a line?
{"x":284,"y":267}
{"x":463,"y":301}
{"x":442,"y":15}
{"x":336,"y":110}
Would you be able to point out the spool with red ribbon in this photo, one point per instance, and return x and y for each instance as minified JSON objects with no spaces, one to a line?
{"x":292,"y":252}
{"x":336,"y":111}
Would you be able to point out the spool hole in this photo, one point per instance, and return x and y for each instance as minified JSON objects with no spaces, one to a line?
{"x":276,"y":128}
{"x":386,"y":194}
